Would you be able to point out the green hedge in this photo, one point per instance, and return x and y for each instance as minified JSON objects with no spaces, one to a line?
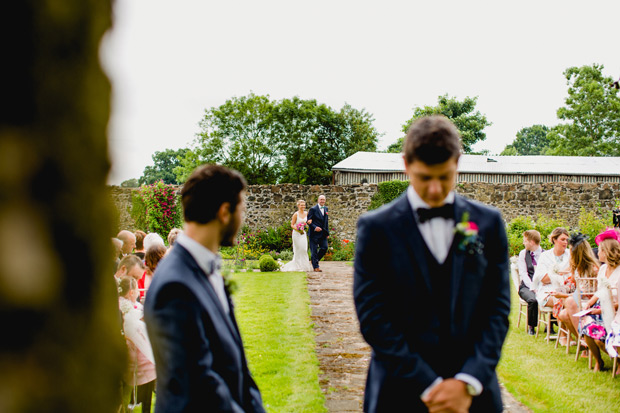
{"x":387,"y":192}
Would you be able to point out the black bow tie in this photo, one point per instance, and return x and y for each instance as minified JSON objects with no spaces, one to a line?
{"x":444,"y":211}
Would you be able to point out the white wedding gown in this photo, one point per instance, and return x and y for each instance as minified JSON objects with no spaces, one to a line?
{"x":300,"y":260}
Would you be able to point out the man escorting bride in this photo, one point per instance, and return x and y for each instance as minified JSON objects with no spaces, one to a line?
{"x":299,"y":222}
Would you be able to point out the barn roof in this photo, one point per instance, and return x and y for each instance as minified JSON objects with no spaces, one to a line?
{"x":553,"y":165}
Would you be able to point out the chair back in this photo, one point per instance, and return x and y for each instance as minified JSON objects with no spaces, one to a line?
{"x":514,"y":274}
{"x":585,"y":288}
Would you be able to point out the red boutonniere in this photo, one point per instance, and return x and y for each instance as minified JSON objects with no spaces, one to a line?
{"x":467,"y":233}
{"x":326,"y":213}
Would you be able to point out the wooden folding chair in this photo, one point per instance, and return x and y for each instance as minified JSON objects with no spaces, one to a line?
{"x":544,"y":318}
{"x":516,"y":281}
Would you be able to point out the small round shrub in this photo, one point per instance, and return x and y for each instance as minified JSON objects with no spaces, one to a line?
{"x":268,"y":264}
{"x":286,"y":255}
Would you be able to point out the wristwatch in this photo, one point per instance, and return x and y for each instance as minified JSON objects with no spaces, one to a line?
{"x":471,"y":390}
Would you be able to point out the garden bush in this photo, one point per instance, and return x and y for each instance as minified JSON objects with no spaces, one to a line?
{"x":588,"y":223}
{"x":591,"y":225}
{"x":276,"y":239}
{"x":387,"y":192}
{"x":268,"y":264}
{"x":159,"y":210}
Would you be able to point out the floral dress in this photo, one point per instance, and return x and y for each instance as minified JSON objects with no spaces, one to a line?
{"x":594,"y":325}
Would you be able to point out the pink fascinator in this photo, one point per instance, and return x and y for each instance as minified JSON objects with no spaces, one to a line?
{"x":609,"y":233}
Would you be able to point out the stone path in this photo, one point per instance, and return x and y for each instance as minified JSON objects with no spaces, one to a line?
{"x":342,"y":352}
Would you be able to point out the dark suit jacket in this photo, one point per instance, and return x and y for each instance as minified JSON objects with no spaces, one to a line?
{"x":392,"y":291}
{"x":318,"y":220}
{"x":199,"y":355}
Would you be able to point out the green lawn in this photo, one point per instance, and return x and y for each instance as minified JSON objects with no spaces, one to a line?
{"x":545,"y":379}
{"x":273,"y":313}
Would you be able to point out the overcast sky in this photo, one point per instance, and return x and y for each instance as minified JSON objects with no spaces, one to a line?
{"x":169,"y":61}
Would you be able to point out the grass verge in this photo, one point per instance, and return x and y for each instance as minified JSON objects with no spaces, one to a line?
{"x":273,"y":313}
{"x":545,"y":379}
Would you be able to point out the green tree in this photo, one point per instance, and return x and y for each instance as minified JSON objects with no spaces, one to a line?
{"x":315,"y":137}
{"x":468,"y":120}
{"x":292,"y":140}
{"x":531,"y":140}
{"x":130,"y":183}
{"x":592,"y":112}
{"x":163,"y":168}
{"x":239,"y":135}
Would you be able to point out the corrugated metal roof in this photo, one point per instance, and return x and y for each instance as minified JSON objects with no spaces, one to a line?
{"x":562,"y":165}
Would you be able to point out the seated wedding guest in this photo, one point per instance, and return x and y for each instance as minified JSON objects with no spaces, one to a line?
{"x":140,"y":374}
{"x":140,"y":251}
{"x":131,"y":266}
{"x":128,"y":295}
{"x":613,"y":334}
{"x":118,"y":245}
{"x":527,"y":262}
{"x":595,"y":325}
{"x":129,"y":242}
{"x":552,"y":269}
{"x":172,"y":236}
{"x":582,"y":264}
{"x":151,"y":259}
{"x":153,"y":238}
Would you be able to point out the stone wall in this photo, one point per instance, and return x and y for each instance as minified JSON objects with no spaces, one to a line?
{"x":551,"y":199}
{"x":271,"y":205}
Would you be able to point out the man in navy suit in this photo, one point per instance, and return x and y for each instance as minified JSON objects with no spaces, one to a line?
{"x":318,"y":216}
{"x":199,"y":356}
{"x":431,"y":287}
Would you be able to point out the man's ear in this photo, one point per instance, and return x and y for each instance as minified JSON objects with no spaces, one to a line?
{"x":123,"y":270}
{"x":224,"y":213}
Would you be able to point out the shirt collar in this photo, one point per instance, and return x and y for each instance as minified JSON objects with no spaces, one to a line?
{"x":416,"y":202}
{"x":205,"y":258}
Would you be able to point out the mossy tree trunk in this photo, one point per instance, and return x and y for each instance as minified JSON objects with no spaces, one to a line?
{"x":61,"y":348}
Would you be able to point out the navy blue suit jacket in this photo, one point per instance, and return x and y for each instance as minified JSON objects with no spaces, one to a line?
{"x":392,"y":291}
{"x":199,"y":355}
{"x":318,"y":220}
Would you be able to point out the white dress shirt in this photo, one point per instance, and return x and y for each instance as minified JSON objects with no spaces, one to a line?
{"x":204,"y":258}
{"x":527,"y":281}
{"x":438,"y":233}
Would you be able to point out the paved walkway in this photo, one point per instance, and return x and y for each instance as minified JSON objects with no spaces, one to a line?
{"x":343,"y":354}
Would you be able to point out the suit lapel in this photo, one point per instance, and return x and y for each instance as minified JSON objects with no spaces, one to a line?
{"x":203,"y":281}
{"x":413,"y":238}
{"x":458,"y":257}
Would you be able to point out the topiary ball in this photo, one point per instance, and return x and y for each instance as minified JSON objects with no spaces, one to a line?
{"x":268,"y":264}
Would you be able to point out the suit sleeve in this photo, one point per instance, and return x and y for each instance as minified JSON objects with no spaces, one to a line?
{"x":372,"y":301}
{"x":311,"y":216}
{"x":494,"y":306}
{"x":176,"y":326}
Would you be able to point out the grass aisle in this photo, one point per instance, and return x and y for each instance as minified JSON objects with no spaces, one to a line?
{"x":273,"y":313}
{"x":545,"y":379}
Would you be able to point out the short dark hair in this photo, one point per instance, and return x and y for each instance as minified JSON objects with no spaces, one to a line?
{"x":432,"y":140}
{"x":207,"y":188}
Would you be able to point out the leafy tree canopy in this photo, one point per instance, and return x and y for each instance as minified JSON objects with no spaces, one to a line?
{"x":130,"y":183}
{"x":468,"y":120}
{"x":291,"y":140}
{"x":531,"y":140}
{"x":592,"y":112}
{"x":163,"y":168}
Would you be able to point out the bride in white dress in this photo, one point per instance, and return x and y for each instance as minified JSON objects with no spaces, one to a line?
{"x":300,"y":260}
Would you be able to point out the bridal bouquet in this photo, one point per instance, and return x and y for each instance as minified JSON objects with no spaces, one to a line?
{"x":301,"y":227}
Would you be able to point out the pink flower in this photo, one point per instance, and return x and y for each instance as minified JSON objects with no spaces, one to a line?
{"x":596,"y":332}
